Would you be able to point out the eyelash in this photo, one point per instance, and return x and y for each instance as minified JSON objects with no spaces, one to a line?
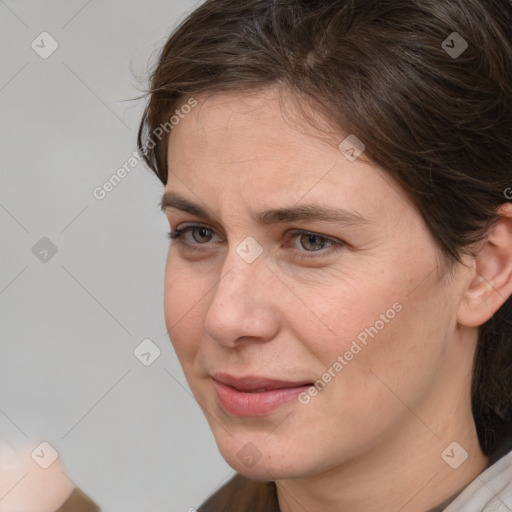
{"x":336,"y":245}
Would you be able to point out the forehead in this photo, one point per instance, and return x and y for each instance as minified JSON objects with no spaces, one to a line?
{"x":257,"y":147}
{"x":263,"y":123}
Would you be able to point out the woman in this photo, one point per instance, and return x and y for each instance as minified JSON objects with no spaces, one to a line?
{"x":338,"y":185}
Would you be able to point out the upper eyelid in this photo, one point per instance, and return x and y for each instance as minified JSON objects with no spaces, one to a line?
{"x":192,"y":226}
{"x":292,"y":232}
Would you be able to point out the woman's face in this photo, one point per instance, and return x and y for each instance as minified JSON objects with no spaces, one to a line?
{"x":352,"y":302}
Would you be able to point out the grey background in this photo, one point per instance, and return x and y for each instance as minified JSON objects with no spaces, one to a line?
{"x":130,"y":435}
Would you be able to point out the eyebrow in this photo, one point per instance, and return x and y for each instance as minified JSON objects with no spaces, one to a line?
{"x":304,"y":212}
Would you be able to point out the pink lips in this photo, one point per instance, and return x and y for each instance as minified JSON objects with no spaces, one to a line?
{"x":255,"y":396}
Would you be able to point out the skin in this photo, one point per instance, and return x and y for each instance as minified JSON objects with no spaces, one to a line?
{"x":373,"y":438}
{"x":25,"y":486}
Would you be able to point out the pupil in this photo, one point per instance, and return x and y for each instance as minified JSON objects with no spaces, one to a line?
{"x":202,"y":232}
{"x":312,"y":239}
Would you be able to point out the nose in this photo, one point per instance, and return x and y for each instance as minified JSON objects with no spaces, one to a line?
{"x":243,"y":305}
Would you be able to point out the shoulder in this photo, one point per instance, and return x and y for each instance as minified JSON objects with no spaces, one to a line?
{"x":243,"y":495}
{"x":78,"y":502}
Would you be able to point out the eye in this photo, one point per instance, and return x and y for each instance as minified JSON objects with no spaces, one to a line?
{"x":311,"y":242}
{"x":315,"y":243}
{"x":200,"y":235}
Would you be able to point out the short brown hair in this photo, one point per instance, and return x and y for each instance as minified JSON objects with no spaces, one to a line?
{"x":438,"y":123}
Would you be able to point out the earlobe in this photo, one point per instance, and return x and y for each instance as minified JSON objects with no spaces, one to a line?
{"x":491,"y":282}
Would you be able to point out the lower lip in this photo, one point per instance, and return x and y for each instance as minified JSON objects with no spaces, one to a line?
{"x":248,"y":405}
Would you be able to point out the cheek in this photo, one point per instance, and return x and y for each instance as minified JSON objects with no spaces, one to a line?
{"x":341,"y":313}
{"x":184,"y":317}
{"x":373,"y":324}
{"x":392,"y":343}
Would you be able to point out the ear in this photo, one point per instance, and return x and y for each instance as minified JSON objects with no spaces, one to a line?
{"x":490,"y":284}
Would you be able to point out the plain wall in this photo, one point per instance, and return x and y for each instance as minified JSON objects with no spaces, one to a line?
{"x":131,"y":436}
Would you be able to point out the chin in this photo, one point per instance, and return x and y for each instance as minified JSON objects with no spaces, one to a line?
{"x":272,"y":465}
{"x":264,"y":471}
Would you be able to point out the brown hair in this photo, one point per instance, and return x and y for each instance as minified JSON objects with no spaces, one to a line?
{"x":439,"y":123}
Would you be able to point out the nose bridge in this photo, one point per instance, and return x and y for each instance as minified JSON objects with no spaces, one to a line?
{"x":244,"y":263}
{"x":243,"y":269}
{"x":240,"y":306}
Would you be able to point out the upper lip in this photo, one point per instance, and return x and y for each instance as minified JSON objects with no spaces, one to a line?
{"x":250,"y":382}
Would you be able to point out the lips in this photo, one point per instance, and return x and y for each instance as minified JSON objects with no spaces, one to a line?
{"x":252,"y":384}
{"x":255,"y":396}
